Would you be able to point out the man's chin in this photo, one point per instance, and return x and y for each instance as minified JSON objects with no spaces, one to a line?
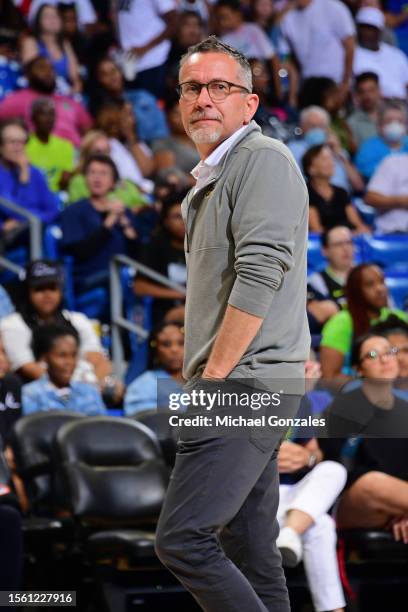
{"x":205,"y":135}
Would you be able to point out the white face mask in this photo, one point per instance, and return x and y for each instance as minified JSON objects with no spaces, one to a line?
{"x":394,"y":131}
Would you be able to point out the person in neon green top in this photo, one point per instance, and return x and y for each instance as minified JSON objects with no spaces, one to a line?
{"x":50,"y":153}
{"x":96,"y":141}
{"x":367,"y":299}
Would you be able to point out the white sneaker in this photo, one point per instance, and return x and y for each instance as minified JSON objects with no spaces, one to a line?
{"x":290,"y":546}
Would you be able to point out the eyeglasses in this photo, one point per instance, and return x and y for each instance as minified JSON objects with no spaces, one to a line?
{"x":15,"y":141}
{"x":217,"y":90}
{"x":375,"y":355}
{"x":341,"y":243}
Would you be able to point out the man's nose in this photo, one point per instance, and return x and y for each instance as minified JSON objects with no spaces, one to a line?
{"x":204,"y":98}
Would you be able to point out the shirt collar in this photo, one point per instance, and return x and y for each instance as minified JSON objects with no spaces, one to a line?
{"x":205,"y":166}
{"x":60,"y":391}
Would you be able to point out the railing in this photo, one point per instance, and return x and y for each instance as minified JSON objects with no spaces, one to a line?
{"x":116,"y":304}
{"x":34,"y":226}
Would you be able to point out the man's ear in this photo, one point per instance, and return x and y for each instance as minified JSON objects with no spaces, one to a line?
{"x":251,"y":106}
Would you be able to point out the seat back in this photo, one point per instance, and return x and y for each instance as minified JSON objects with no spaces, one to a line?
{"x":158,"y":422}
{"x":32,"y":442}
{"x":315,"y":257}
{"x":387,"y":250}
{"x":398,"y":287}
{"x":112,"y":469}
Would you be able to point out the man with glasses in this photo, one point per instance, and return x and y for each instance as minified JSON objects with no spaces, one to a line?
{"x":246,"y":234}
{"x":338,"y":248}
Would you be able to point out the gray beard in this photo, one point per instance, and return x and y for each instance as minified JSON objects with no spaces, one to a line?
{"x":205,"y":135}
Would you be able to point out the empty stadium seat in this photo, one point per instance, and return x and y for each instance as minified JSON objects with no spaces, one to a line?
{"x":115,"y":482}
{"x":387,"y":250}
{"x":94,"y":302}
{"x":158,"y":422}
{"x":32,"y":442}
{"x":315,"y":258}
{"x":398,"y":288}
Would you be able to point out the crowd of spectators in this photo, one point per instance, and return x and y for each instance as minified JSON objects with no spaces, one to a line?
{"x":92,"y":141}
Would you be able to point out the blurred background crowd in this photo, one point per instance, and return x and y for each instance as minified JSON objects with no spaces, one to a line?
{"x":93,"y":147}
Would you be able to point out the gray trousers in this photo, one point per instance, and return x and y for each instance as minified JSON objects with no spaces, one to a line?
{"x":217,"y":529}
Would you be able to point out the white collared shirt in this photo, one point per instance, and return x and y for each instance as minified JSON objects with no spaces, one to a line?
{"x":203,"y":172}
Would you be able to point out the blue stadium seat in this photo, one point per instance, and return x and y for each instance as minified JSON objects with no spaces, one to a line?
{"x":92,"y":303}
{"x":398,"y":288}
{"x":137,"y":310}
{"x":315,"y":258}
{"x":387,"y":250}
{"x":367,"y":213}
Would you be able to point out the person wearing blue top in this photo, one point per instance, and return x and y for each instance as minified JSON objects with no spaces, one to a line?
{"x":392,"y":139}
{"x":6,"y":305}
{"x":21,"y":183}
{"x":48,"y":41}
{"x":96,"y":229}
{"x":57,"y":346}
{"x":166,"y":351}
{"x":397,"y":18}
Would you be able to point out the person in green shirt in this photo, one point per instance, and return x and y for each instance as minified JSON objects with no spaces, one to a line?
{"x":367,"y":299}
{"x":50,"y":153}
{"x":96,"y":141}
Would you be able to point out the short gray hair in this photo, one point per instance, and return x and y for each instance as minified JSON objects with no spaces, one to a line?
{"x":392,"y":105}
{"x":212,"y":44}
{"x":318,"y":110}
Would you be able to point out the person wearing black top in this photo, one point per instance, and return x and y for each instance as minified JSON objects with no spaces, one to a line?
{"x":165,"y":254}
{"x":338,"y":248}
{"x":328,"y":205}
{"x":10,"y":398}
{"x":368,"y":429}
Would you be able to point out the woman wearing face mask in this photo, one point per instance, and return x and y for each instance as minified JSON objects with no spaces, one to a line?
{"x":392,"y":138}
{"x":367,"y":298}
{"x":376,"y":495}
{"x":330,"y":206}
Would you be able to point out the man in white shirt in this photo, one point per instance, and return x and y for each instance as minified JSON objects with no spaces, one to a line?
{"x":145,"y":28}
{"x":372,"y":55}
{"x":248,"y":38}
{"x":388,"y":192}
{"x":320,"y":34}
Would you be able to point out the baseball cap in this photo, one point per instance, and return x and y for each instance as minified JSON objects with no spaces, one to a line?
{"x":369,"y":15}
{"x":44,"y":272}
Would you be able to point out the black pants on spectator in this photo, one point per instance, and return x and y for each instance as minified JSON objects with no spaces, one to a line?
{"x":229,"y":484}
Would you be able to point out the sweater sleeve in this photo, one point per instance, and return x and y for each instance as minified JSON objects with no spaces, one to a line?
{"x":269,"y":203}
{"x":87,"y":247}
